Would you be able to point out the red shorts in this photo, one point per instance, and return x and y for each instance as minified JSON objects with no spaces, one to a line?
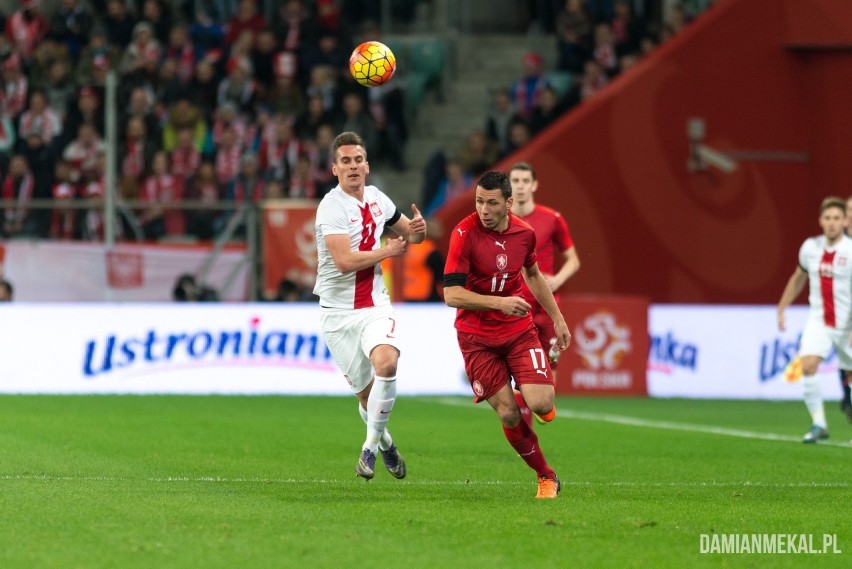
{"x":544,"y":325}
{"x":491,"y":362}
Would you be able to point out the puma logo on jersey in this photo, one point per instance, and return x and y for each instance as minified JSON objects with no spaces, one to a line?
{"x":460,"y":230}
{"x":501,"y":245}
{"x":542,"y":372}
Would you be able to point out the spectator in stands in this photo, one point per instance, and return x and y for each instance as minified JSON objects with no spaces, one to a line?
{"x":478,"y":154}
{"x":423,"y":268}
{"x":314,"y":115}
{"x":119,"y":23}
{"x":7,"y":291}
{"x":526,"y":90}
{"x":71,"y":24}
{"x":203,"y":187}
{"x":141,"y":58}
{"x":455,"y":183}
{"x":328,"y":52}
{"x":278,"y":153}
{"x":59,"y":89}
{"x":238,"y":87}
{"x":262,"y":59}
{"x":41,"y":161}
{"x":323,"y":83}
{"x":206,"y":31}
{"x":627,"y":29}
{"x":39,"y":117}
{"x":179,"y":49}
{"x":188,"y":290}
{"x":248,"y":185}
{"x":203,"y":88}
{"x":18,"y":186}
{"x":519,"y":136}
{"x":603,"y":51}
{"x":303,"y":182}
{"x":88,"y":110}
{"x":185,"y":158}
{"x":161,"y":189}
{"x":169,"y":87}
{"x":45,"y":54}
{"x":183,"y":114}
{"x":322,"y":157}
{"x":228,"y":154}
{"x":26,"y":27}
{"x":159,"y":17}
{"x":247,"y":18}
{"x":83,"y":152}
{"x":286,"y":97}
{"x":354,"y":118}
{"x":574,"y":30}
{"x":500,"y":115}
{"x":548,"y":109}
{"x":15,"y":85}
{"x":8,"y":139}
{"x":97,"y":57}
{"x":292,"y":23}
{"x":137,"y":151}
{"x":63,"y":222}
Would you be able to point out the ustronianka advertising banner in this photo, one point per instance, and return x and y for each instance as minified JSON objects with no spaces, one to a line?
{"x":206,"y":348}
{"x":728,"y":352}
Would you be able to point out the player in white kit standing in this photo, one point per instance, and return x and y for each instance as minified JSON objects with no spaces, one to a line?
{"x":357,"y":318}
{"x":825,"y":263}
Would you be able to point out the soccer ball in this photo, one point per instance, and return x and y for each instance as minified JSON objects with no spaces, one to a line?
{"x":372,"y":64}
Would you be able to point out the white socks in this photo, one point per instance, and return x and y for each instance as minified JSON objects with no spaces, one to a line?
{"x":813,"y":400}
{"x":379,"y":405}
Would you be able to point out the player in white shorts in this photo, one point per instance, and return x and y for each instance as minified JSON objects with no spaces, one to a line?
{"x":357,"y":317}
{"x":825,"y":263}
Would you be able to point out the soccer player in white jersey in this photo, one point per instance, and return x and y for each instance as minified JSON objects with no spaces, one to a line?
{"x":356,"y":314}
{"x":825,"y":263}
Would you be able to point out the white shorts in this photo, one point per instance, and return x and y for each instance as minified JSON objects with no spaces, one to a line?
{"x":351,"y":336}
{"x":818,"y":339}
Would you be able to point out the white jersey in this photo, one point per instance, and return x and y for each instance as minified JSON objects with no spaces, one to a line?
{"x":830,"y":280}
{"x":364,"y":222}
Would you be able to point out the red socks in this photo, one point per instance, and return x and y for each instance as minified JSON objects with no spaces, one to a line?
{"x":525,"y":442}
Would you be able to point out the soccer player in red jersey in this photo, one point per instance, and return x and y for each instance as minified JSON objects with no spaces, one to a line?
{"x":491,"y":253}
{"x":553,"y":239}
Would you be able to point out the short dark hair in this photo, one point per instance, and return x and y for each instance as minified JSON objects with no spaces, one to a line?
{"x":347,"y":138}
{"x":525,"y":166}
{"x":495,"y":180}
{"x":833,"y":201}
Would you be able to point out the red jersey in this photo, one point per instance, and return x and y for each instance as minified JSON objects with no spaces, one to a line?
{"x":490,"y":263}
{"x":552,"y":237}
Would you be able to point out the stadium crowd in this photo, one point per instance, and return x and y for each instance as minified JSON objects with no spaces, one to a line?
{"x":216,"y":101}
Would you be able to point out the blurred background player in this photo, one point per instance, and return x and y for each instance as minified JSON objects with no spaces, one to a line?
{"x":489,"y":249}
{"x":553,"y":240}
{"x":7,"y":292}
{"x":355,"y":311}
{"x":825,"y":263}
{"x":846,"y":400}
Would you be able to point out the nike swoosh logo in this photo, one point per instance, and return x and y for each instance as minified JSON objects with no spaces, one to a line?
{"x":384,"y":412}
{"x":353,"y":221}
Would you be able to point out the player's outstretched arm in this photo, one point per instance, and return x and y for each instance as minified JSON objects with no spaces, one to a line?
{"x":541,"y":291}
{"x":794,"y":286}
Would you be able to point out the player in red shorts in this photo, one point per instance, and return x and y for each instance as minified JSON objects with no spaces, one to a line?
{"x":553,"y":239}
{"x":491,"y":253}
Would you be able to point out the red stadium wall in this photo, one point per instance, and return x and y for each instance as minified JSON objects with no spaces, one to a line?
{"x":765,"y":81}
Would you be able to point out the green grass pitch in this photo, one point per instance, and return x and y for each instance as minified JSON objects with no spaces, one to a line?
{"x":256,"y":482}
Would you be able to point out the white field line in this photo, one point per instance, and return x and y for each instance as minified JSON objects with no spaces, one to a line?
{"x":590,"y":484}
{"x":667,"y":425}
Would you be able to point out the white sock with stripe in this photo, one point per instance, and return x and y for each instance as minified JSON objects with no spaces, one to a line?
{"x":379,"y":405}
{"x":813,"y":400}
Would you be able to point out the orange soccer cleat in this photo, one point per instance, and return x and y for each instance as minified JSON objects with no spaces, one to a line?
{"x":548,"y":487}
